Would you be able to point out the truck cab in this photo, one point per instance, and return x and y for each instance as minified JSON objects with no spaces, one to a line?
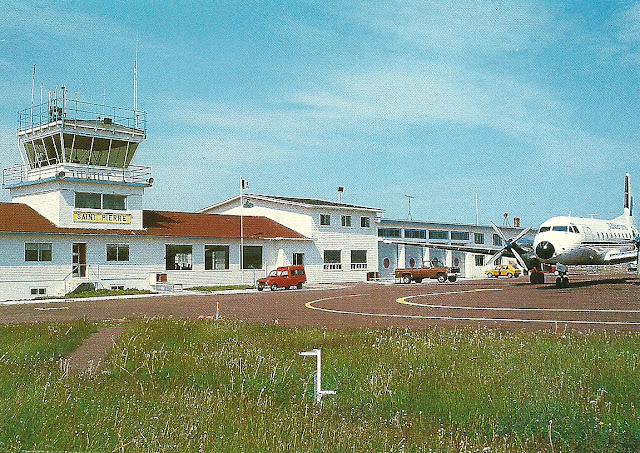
{"x":283,"y":277}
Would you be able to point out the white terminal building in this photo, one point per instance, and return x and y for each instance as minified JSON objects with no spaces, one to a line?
{"x":76,"y":217}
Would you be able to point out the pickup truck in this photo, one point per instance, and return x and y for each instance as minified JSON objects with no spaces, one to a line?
{"x":283,"y":277}
{"x":417,"y":274}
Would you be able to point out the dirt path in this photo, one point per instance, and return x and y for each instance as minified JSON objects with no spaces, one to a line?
{"x":88,"y":356}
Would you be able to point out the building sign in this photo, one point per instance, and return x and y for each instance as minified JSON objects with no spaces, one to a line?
{"x":101,"y":217}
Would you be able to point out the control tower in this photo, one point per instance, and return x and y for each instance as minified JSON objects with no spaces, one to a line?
{"x":76,"y":163}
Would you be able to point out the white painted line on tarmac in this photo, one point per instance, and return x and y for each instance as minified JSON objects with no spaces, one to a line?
{"x":311,"y":305}
{"x":403,"y":300}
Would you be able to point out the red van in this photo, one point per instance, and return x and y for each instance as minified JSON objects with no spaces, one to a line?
{"x":283,"y":277}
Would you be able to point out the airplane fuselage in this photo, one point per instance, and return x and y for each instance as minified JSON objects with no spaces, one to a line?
{"x":583,"y":241}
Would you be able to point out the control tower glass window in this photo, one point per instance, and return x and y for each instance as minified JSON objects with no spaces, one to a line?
{"x":88,"y":200}
{"x":115,"y":202}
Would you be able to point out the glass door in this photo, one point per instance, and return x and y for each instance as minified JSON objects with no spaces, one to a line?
{"x":79,"y":260}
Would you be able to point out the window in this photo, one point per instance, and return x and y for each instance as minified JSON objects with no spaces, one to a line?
{"x":333,"y":260}
{"x":345,"y":220}
{"x":497,"y":240}
{"x":178,"y":257}
{"x":412,"y":263}
{"x":34,"y":251}
{"x":386,"y":263}
{"x":358,"y":259}
{"x":216,"y":257}
{"x":459,"y":235}
{"x":38,"y":291}
{"x":365,"y":222}
{"x":117,"y":252}
{"x":479,"y":260}
{"x":559,"y":228}
{"x":389,"y":232}
{"x":88,"y":200}
{"x":325,"y":219}
{"x":114,"y":202}
{"x":298,"y":259}
{"x":478,"y":238}
{"x":543,"y":229}
{"x":438,"y":234}
{"x":415,"y":234}
{"x":117,"y":287}
{"x":252,"y":257}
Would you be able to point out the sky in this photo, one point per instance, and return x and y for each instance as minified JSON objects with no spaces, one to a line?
{"x":530,"y":105}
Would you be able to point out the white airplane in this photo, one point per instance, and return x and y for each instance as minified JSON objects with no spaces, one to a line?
{"x":565,"y":241}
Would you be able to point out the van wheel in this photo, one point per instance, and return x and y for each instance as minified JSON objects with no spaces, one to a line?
{"x":299,"y":286}
{"x":274,"y":287}
{"x":452,"y":278}
{"x":510,"y":275}
{"x":260,"y":287}
{"x":418,"y":280}
{"x":442,"y":278}
{"x":406,"y":278}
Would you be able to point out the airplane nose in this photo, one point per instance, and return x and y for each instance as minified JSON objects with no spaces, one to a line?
{"x":545,"y":250}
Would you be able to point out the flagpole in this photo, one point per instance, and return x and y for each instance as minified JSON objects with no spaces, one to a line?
{"x":241,"y":235}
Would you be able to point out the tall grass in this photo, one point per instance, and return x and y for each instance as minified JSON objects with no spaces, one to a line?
{"x":172,"y":385}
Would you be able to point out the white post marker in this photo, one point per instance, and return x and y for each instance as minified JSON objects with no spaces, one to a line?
{"x":318,"y":393}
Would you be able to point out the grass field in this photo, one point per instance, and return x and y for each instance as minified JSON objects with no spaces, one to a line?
{"x":172,"y":385}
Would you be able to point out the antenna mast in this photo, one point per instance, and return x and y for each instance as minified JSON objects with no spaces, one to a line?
{"x":135,"y":89}
{"x":33,"y":83}
{"x":409,"y":198}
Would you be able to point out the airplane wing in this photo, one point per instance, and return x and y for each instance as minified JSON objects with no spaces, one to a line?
{"x":482,"y":250}
{"x":620,"y":256}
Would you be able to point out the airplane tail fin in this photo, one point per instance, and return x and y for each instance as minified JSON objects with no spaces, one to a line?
{"x":627,"y":214}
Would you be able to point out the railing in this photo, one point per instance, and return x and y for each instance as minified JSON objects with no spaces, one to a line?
{"x":355,"y":266}
{"x":80,"y":112}
{"x":21,"y":174}
{"x":333,"y":266}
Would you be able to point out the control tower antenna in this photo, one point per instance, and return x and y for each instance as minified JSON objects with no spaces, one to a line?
{"x":135,"y":88}
{"x":33,"y":83}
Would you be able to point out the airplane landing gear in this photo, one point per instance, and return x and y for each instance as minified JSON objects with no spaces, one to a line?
{"x":536,"y":278}
{"x":562,"y":282}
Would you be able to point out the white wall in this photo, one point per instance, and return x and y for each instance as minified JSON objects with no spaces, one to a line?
{"x":146,"y":258}
{"x":306,"y":220}
{"x":55,"y":200}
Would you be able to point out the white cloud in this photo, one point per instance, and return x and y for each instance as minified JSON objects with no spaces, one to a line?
{"x":41,"y":22}
{"x":628,"y":22}
{"x":468,"y":27}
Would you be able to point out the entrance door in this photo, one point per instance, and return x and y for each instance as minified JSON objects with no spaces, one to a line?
{"x":79,"y":260}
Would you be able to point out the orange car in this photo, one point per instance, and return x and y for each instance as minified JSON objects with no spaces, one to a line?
{"x":283,"y":277}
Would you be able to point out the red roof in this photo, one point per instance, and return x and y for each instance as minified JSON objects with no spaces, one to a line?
{"x":20,"y":218}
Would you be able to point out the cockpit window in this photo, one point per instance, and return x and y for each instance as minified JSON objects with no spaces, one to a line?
{"x":559,"y":228}
{"x":543,"y":229}
{"x":573,"y":229}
